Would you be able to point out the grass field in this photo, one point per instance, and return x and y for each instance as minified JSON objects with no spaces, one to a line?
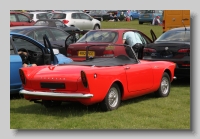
{"x":146,"y":112}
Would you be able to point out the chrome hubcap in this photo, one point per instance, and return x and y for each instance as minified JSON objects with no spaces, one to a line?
{"x":113,"y":97}
{"x":164,"y":85}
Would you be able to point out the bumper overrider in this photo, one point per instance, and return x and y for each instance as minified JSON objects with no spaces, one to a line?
{"x":56,"y":94}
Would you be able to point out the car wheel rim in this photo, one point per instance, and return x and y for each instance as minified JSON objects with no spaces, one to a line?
{"x":113,"y":97}
{"x":164,"y":85}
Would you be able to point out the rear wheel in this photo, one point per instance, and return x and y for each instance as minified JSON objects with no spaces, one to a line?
{"x":165,"y":85}
{"x":96,"y":27}
{"x":112,"y":100}
{"x":140,"y":22}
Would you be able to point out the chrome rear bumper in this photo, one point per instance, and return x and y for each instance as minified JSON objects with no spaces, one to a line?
{"x":56,"y":94}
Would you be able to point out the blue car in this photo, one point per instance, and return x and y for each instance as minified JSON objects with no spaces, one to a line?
{"x":133,"y":14}
{"x":42,"y":55}
{"x":147,"y":16}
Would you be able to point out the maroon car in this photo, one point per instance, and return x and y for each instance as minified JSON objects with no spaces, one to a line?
{"x":20,"y":19}
{"x":76,"y":51}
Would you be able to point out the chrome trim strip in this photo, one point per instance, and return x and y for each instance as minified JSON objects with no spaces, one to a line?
{"x":56,"y":94}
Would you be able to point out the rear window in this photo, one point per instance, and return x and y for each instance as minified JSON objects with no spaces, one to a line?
{"x":178,"y":35}
{"x":58,"y":16}
{"x":99,"y":36}
{"x":42,"y":16}
{"x":41,"y":23}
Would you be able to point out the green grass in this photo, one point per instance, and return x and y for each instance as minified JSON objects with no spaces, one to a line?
{"x":145,"y":112}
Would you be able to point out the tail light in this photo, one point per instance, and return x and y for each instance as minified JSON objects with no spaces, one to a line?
{"x":84,"y":79}
{"x":69,"y":52}
{"x":65,"y":21}
{"x":187,"y":51}
{"x":22,"y":76}
{"x":184,"y":50}
{"x":108,"y":53}
{"x":149,"y":50}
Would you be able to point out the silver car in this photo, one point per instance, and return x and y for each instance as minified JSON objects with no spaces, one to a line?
{"x":78,"y":19}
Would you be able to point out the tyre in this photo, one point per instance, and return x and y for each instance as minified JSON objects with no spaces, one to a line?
{"x":112,"y":100}
{"x":165,"y":85}
{"x":51,"y":103}
{"x":96,"y":27}
{"x":140,"y":22}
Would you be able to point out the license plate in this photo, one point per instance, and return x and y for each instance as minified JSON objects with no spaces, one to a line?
{"x":83,"y":53}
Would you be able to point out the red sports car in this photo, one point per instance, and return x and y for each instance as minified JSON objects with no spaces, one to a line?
{"x":76,"y":51}
{"x":104,"y":80}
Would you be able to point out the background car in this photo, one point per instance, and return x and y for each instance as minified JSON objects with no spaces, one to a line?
{"x":20,"y":19}
{"x":55,"y":35}
{"x":39,"y":15}
{"x":56,"y":23}
{"x":104,"y":80}
{"x":76,"y":51}
{"x":42,"y":55}
{"x":133,"y":14}
{"x":78,"y":19}
{"x":147,"y":16}
{"x":100,"y":15}
{"x":174,"y":46}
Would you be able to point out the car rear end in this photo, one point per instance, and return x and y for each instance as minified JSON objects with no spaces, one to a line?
{"x":178,"y":53}
{"x":147,"y":16}
{"x":62,"y":16}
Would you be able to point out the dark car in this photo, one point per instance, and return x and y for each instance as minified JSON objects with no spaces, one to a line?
{"x":100,"y":15}
{"x":56,"y":23}
{"x":173,"y":45}
{"x":55,"y":35}
{"x":20,"y":19}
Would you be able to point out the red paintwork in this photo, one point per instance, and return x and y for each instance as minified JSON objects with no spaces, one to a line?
{"x":81,"y":46}
{"x":139,"y":79}
{"x":18,"y":23}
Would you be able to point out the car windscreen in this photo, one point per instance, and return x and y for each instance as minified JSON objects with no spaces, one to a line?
{"x":98,"y":36}
{"x":175,"y":35}
{"x":20,"y":31}
{"x":58,"y":16}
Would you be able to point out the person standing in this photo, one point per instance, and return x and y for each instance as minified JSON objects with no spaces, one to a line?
{"x":156,"y":21}
{"x":131,"y":39}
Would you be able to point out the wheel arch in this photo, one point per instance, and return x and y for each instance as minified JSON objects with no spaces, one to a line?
{"x":121,"y":88}
{"x":169,"y":73}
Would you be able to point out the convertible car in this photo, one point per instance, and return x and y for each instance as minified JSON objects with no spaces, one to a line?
{"x":104,"y":79}
{"x":41,"y":53}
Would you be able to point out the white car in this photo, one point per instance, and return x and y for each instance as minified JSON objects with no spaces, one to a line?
{"x":39,"y":15}
{"x":78,"y":19}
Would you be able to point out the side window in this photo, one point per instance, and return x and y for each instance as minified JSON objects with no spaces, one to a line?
{"x":38,"y":35}
{"x":23,"y":18}
{"x":59,"y":24}
{"x":22,"y":43}
{"x":84,"y":16}
{"x":59,"y":35}
{"x":13,"y":18}
{"x":75,"y":16}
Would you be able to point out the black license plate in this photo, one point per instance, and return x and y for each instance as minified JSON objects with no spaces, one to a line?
{"x":53,"y":85}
